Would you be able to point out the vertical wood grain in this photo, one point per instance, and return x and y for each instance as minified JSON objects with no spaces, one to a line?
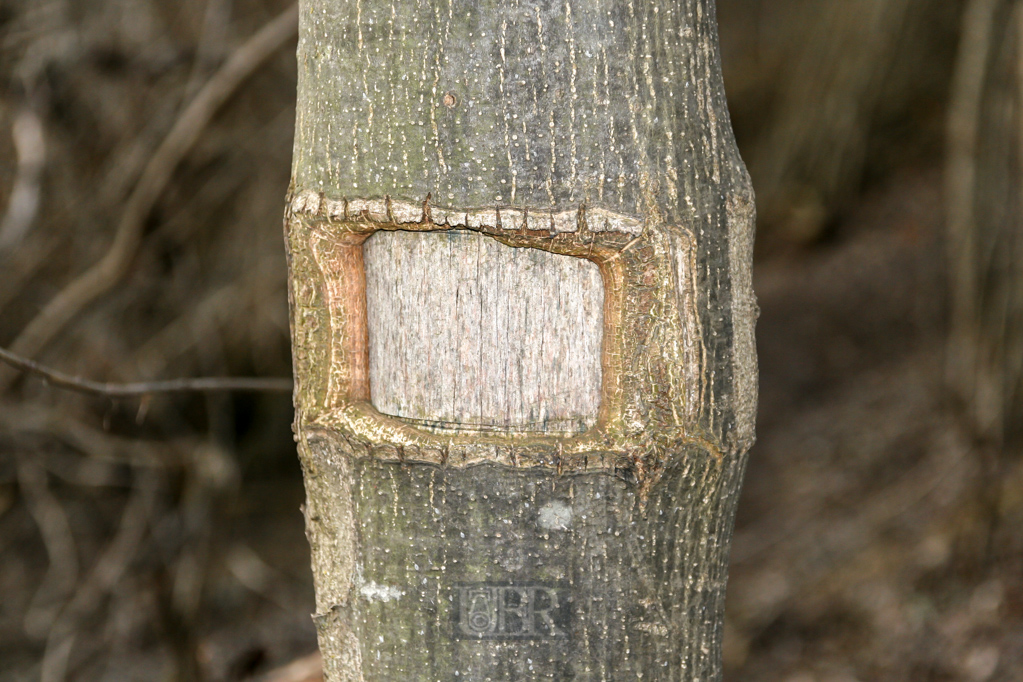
{"x":467,"y":332}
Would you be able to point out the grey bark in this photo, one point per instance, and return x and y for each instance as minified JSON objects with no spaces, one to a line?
{"x":449,"y":549}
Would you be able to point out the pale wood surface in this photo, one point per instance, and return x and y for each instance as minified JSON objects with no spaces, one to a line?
{"x":466,"y":331}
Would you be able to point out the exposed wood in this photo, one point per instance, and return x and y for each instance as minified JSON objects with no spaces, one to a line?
{"x":593,"y":132}
{"x":652,"y":379}
{"x":466,"y":332}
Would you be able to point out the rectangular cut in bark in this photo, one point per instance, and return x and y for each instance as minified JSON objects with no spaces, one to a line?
{"x":466,"y":332}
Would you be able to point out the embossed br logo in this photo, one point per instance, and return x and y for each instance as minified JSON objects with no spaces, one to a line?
{"x":485,"y":611}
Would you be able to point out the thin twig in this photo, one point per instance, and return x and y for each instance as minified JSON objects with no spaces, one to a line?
{"x":102,"y":276}
{"x":114,"y":390}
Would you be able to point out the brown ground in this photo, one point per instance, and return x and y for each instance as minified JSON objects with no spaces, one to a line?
{"x":864,"y":549}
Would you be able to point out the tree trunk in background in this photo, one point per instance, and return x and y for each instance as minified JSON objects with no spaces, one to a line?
{"x":811,"y":158}
{"x":985,"y":191}
{"x":520,"y":240}
{"x":985,"y":194}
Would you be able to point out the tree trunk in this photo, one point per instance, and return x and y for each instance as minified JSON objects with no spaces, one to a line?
{"x":985,"y":179}
{"x":520,"y":239}
{"x":811,"y":159}
{"x":984,"y":183}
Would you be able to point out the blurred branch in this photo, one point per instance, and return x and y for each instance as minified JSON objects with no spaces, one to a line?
{"x":185,"y":332}
{"x":201,"y":384}
{"x":94,"y":444}
{"x":30,"y":146}
{"x":31,"y":256}
{"x":55,"y":530}
{"x":249,"y":569}
{"x":306,"y":669}
{"x":105,"y":574}
{"x":102,"y":276}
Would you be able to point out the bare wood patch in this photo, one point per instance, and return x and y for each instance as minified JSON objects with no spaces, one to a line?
{"x":467,"y":332}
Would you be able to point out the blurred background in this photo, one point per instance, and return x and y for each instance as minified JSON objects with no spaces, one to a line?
{"x":880,"y":532}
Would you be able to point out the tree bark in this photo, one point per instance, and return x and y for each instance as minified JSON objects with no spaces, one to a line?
{"x":488,"y":514}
